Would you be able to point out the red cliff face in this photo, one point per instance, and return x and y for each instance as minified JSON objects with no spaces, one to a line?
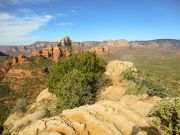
{"x":136,"y":45}
{"x":116,"y":45}
{"x":21,"y":59}
{"x":100,"y":50}
{"x":64,"y":48}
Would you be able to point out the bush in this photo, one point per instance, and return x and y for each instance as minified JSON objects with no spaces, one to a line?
{"x":145,"y":84}
{"x":1,"y":77}
{"x":75,"y":80}
{"x":166,"y":116}
{"x":47,"y":112}
{"x":20,"y":105}
{"x":4,"y":113}
{"x":134,"y":89}
{"x":4,"y":90}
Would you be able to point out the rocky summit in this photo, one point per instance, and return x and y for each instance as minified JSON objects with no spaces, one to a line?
{"x":64,"y":48}
{"x":114,"y":113}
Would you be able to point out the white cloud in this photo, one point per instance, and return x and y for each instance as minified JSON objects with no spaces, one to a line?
{"x":16,"y":2}
{"x":64,"y":24}
{"x":73,"y":11}
{"x":15,"y":28}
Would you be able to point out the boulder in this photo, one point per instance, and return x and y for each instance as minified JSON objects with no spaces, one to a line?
{"x":115,"y":68}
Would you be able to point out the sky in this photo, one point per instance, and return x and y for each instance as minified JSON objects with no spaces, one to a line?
{"x":23,"y":22}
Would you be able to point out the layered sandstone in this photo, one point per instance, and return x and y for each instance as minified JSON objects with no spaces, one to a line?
{"x":64,"y":48}
{"x":115,"y":69}
{"x":126,"y":116}
{"x":114,"y":113}
{"x":116,"y":45}
{"x":100,"y":50}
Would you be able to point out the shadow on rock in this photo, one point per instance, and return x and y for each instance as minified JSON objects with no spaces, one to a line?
{"x":145,"y":130}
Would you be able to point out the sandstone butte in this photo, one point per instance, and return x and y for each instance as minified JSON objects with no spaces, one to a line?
{"x":64,"y":48}
{"x":114,"y":112}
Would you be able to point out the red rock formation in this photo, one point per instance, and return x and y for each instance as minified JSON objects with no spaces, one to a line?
{"x":136,"y":45}
{"x":45,"y":52}
{"x":5,"y":68}
{"x":36,"y":53}
{"x":116,"y":45}
{"x":56,"y":54}
{"x":100,"y":50}
{"x":21,"y":59}
{"x":64,"y":48}
{"x":14,"y":60}
{"x":152,"y":46}
{"x":66,"y":41}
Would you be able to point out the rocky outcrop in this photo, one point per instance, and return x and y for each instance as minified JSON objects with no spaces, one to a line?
{"x":56,"y":54}
{"x":66,"y":41}
{"x":115,"y":68}
{"x":21,"y":59}
{"x":35,"y":111}
{"x":100,"y":50}
{"x":114,"y":113}
{"x":12,"y":119}
{"x":5,"y":68}
{"x":36,"y":53}
{"x":124,"y":117}
{"x":64,"y":48}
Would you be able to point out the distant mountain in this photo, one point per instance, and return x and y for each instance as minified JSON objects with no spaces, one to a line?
{"x":25,"y":49}
{"x":3,"y":54}
{"x":87,"y":44}
{"x":42,"y":44}
{"x":162,"y":44}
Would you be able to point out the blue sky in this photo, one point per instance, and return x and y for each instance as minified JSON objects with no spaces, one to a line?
{"x":27,"y":21}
